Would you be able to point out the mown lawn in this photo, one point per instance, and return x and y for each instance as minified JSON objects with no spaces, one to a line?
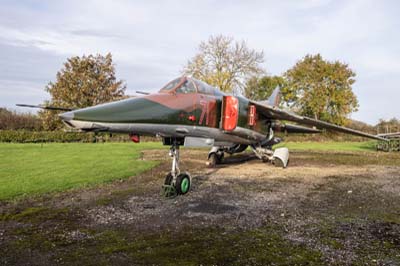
{"x":33,"y":169}
{"x":330,"y":146}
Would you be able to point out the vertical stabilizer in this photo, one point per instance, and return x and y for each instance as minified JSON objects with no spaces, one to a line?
{"x":275,"y":97}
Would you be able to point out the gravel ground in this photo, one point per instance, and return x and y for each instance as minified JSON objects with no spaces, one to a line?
{"x":348,"y":213}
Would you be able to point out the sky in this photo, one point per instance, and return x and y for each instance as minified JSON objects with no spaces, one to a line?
{"x":151,"y":41}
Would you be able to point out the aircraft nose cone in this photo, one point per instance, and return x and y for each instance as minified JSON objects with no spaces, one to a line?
{"x":67,"y":116}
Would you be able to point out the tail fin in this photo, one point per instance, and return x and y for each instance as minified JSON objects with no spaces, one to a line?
{"x":275,"y":97}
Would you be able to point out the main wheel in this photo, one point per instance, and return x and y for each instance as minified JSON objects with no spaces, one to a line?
{"x":168,"y":179}
{"x":167,"y":189}
{"x":215,"y":159}
{"x":183,"y":183}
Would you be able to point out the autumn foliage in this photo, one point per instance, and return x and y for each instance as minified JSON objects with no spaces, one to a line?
{"x":321,"y":89}
{"x":82,"y":82}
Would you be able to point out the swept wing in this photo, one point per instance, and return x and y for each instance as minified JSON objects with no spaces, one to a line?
{"x":276,"y":113}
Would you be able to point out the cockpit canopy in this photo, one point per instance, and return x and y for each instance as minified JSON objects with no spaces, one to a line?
{"x":189,"y":85}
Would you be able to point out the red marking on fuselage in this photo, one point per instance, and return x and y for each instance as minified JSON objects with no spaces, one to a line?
{"x":186,"y":102}
{"x":252,"y":115}
{"x":204,"y":112}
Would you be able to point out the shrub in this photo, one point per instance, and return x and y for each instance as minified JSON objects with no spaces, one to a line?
{"x":25,"y":136}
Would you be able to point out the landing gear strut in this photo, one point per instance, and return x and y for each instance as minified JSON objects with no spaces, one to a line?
{"x":176,"y":183}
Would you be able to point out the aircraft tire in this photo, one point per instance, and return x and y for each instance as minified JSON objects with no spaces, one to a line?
{"x":214,"y":159}
{"x":168,"y":179}
{"x":183,"y":183}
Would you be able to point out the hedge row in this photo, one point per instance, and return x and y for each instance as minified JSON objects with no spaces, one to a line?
{"x":24,"y":136}
{"x":321,"y":137}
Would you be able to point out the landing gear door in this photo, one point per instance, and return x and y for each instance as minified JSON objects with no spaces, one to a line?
{"x":230,"y":113}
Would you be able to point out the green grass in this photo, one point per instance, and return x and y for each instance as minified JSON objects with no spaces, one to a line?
{"x":331,"y":145}
{"x":34,"y":169}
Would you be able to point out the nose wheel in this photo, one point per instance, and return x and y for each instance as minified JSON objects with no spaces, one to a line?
{"x":176,"y":183}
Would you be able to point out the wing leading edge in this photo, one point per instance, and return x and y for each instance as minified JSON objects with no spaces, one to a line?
{"x":279,"y":114}
{"x":54,"y":108}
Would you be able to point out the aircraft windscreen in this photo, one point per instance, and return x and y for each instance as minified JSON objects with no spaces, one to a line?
{"x":171,"y":85}
{"x":203,"y":87}
{"x":180,"y":86}
{"x":186,"y":87}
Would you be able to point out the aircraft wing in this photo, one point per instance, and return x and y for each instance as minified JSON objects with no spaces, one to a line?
{"x":46,"y":107}
{"x":279,"y":114}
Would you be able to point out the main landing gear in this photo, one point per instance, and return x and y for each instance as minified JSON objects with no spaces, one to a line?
{"x":278,"y":157}
{"x":215,"y":156}
{"x":176,"y":183}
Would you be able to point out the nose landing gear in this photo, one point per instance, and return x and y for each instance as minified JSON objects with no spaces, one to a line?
{"x":176,"y":183}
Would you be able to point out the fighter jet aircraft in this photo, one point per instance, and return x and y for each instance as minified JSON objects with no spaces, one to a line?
{"x":188,"y":112}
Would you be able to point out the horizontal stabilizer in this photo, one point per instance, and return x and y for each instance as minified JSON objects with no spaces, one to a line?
{"x":389,"y":135}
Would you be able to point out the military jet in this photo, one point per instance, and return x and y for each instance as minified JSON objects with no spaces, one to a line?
{"x":188,"y":112}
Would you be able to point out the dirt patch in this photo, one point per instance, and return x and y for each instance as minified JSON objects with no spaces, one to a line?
{"x":244,"y":212}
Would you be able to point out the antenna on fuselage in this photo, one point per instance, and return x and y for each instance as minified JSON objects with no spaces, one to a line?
{"x":143,"y":92}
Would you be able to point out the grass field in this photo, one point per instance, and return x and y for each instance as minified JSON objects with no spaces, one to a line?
{"x":330,"y":146}
{"x":32,"y":169}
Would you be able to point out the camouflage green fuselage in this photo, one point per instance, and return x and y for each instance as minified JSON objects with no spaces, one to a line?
{"x":192,"y":109}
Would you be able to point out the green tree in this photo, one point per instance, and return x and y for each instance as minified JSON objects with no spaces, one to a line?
{"x":261,"y":88}
{"x":82,"y":82}
{"x":321,"y":89}
{"x":224,"y":63}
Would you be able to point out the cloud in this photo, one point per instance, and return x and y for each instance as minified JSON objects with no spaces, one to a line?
{"x":152,"y":40}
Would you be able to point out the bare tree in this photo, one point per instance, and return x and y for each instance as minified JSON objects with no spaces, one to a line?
{"x":224,"y":63}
